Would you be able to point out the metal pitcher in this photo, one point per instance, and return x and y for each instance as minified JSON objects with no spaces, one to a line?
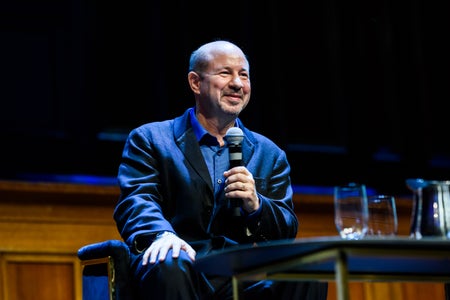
{"x":431,"y":208}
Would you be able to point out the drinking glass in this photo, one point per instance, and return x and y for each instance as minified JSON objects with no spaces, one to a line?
{"x":382,"y":216}
{"x":350,"y":210}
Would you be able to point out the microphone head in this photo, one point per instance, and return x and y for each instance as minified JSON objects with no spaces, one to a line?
{"x":234,"y":136}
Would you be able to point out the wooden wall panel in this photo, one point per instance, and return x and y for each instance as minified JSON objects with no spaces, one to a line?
{"x":42,"y":226}
{"x":40,"y":279}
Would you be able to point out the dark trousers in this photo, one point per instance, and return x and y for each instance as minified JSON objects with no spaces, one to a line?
{"x":177,"y":279}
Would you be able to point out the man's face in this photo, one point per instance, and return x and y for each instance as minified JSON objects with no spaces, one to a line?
{"x":225,"y":85}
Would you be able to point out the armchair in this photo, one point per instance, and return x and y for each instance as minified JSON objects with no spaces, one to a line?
{"x":105,"y":271}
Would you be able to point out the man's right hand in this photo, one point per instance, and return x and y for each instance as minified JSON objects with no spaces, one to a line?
{"x":159,"y":248}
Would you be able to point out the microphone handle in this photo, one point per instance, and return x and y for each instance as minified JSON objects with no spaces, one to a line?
{"x":235,"y":153}
{"x":235,"y":161}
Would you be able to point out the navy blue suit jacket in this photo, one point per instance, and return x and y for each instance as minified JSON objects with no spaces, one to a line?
{"x":165,"y":186}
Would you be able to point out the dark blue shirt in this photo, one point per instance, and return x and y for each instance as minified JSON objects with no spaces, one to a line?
{"x":216,"y":157}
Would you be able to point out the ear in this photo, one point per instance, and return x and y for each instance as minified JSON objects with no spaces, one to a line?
{"x":194,"y":82}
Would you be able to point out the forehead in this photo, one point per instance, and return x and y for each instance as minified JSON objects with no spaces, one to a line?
{"x":228,"y":59}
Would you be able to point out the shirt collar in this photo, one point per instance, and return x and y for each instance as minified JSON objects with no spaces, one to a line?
{"x":200,"y":132}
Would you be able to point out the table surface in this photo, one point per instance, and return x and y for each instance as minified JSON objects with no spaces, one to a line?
{"x":396,"y":256}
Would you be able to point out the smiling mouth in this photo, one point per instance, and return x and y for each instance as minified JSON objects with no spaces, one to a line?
{"x":234,"y":96}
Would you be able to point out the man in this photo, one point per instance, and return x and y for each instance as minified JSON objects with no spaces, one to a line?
{"x":176,"y":185}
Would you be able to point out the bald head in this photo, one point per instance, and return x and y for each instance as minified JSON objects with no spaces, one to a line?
{"x":202,"y":56}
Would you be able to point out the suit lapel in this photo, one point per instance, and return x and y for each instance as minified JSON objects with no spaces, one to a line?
{"x":187,"y":141}
{"x":189,"y":146}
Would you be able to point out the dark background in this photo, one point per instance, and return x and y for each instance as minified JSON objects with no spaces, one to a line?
{"x":352,"y":90}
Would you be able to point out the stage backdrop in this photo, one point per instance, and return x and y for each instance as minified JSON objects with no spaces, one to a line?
{"x":351,"y":90}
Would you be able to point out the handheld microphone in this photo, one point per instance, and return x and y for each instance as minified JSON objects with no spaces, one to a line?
{"x":234,"y":138}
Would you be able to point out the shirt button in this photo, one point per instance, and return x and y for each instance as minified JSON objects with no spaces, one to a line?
{"x":219,"y":181}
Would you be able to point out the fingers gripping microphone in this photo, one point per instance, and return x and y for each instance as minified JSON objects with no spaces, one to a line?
{"x":234,"y":138}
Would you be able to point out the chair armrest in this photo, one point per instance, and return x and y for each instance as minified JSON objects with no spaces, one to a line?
{"x":118,"y":250}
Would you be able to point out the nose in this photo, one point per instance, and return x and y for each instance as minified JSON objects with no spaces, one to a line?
{"x":236,"y":81}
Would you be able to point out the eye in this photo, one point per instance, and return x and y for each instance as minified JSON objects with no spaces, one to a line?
{"x":244,"y":75}
{"x":225,"y":73}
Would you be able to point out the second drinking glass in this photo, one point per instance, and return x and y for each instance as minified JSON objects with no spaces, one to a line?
{"x":383,"y":221}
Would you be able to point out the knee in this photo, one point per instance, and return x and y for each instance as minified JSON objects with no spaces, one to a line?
{"x":170,"y":270}
{"x":174,"y":268}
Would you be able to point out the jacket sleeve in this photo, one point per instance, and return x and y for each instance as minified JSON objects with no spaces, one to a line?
{"x":138,"y":211}
{"x":277,"y":218}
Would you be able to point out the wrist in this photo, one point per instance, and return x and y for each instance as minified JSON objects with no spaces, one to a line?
{"x":163,"y":234}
